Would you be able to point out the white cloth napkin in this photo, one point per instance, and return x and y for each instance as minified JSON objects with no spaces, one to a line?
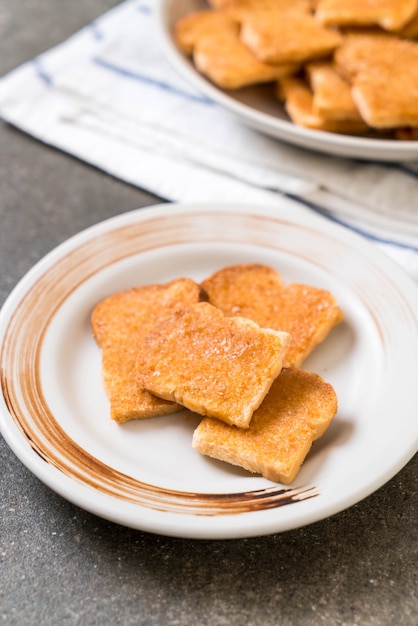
{"x":109,"y":96}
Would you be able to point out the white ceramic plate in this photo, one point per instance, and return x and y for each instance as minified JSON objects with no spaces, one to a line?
{"x":145,"y":474}
{"x":257,"y":107}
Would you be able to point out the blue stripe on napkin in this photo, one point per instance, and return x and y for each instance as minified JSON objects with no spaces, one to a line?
{"x":122,"y":71}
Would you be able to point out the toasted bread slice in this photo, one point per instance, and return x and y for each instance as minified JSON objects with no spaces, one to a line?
{"x":212,"y":364}
{"x":372,"y":62}
{"x":299,"y":104}
{"x":253,"y":5}
{"x":120,"y":324}
{"x":284,"y":36}
{"x":243,"y":9}
{"x":212,"y":39}
{"x":332,"y":97}
{"x":191,"y":28}
{"x":358,"y":49}
{"x":228,"y":63}
{"x":297,"y":410}
{"x":389,"y":14}
{"x":257,"y":292}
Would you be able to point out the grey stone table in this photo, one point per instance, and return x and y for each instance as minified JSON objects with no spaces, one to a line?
{"x":60,"y":565}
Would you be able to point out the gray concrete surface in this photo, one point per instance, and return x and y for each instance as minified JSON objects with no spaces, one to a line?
{"x":60,"y":565}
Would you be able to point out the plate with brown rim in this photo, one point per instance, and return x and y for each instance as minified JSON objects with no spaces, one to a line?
{"x":144,"y":474}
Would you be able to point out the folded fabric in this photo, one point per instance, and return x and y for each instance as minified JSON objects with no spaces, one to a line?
{"x":109,"y":96}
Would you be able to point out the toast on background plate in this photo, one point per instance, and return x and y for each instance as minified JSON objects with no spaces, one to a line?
{"x":257,"y":292}
{"x":297,"y":410}
{"x":298,"y":5}
{"x":299,"y":104}
{"x":120,"y":324}
{"x":287,"y":37}
{"x":332,"y":97}
{"x":191,"y":28}
{"x":212,"y":39}
{"x":390,"y":15}
{"x":210,"y":363}
{"x":372,"y":63}
{"x":410,"y":30}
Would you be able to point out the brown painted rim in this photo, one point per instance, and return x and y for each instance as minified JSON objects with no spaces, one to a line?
{"x":23,"y":340}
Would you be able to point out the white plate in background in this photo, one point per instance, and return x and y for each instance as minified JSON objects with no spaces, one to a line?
{"x":257,"y":107}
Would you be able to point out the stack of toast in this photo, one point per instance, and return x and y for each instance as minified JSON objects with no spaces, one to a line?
{"x":330,"y":61}
{"x":230,"y":350}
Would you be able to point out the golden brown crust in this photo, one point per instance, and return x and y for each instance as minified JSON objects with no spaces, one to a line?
{"x":212,"y":364}
{"x":119,"y":324}
{"x":257,"y":292}
{"x":410,"y":30}
{"x":297,"y":410}
{"x":252,"y":5}
{"x":407,"y":134}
